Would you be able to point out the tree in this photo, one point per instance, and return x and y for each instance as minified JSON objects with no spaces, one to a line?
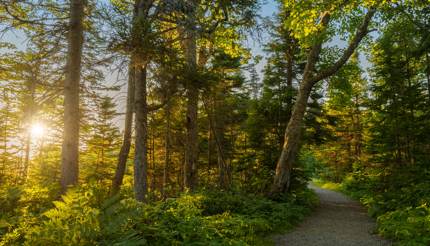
{"x":399,"y":87}
{"x":190,"y":49}
{"x":128,"y":124}
{"x":146,"y":42}
{"x":70,"y":149}
{"x":290,"y":147}
{"x":102,"y":140}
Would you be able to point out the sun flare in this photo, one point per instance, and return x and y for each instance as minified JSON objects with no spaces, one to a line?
{"x":37,"y":130}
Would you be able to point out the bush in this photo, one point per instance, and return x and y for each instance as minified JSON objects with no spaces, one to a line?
{"x":411,"y":226}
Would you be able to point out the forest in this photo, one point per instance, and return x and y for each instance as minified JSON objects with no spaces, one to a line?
{"x":209,"y":122}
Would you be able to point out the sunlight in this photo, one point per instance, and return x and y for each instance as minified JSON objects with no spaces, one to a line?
{"x":37,"y":130}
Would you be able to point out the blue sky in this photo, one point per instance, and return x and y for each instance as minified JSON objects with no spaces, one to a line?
{"x":268,"y":9}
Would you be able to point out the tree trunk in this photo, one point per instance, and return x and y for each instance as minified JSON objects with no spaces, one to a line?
{"x":152,"y":155}
{"x":210,"y":135}
{"x":70,"y":148}
{"x":290,"y":75}
{"x":28,"y":120}
{"x":166,"y":152}
{"x":291,"y":143}
{"x":223,"y":167}
{"x":192,"y":95}
{"x":5,"y":136}
{"x":190,"y":176}
{"x":140,"y":61}
{"x":428,"y":74}
{"x":126,"y":143}
{"x":26,"y":155}
{"x":219,"y":135}
{"x":141,"y":138}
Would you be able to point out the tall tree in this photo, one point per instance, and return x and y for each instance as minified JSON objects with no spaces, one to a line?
{"x":192,"y":94}
{"x":70,"y":149}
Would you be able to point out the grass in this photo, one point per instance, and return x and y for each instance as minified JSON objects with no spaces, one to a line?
{"x":327,"y":185}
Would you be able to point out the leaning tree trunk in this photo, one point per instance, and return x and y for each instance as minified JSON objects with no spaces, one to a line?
{"x":290,"y":66}
{"x":192,"y":94}
{"x":141,"y":138}
{"x":288,"y":155}
{"x":291,"y":142}
{"x":70,"y":148}
{"x":126,"y":143}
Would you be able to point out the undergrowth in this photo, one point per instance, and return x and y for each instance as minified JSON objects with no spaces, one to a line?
{"x":87,"y":216}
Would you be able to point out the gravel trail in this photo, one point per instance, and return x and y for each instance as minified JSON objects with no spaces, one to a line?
{"x":337,"y":221}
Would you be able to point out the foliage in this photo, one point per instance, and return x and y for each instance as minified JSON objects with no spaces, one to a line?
{"x":85,"y":216}
{"x":399,"y":199}
{"x":411,"y":226}
{"x":21,"y":206}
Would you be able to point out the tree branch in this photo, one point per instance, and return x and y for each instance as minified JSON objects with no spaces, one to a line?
{"x":315,"y":51}
{"x":359,"y":35}
{"x":165,"y":99}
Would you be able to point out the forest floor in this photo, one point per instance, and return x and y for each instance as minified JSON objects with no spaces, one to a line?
{"x":337,"y":221}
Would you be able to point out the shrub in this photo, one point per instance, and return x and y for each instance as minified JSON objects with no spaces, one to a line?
{"x":398,"y":198}
{"x":411,"y":226}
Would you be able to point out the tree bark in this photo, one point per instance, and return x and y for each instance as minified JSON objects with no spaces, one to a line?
{"x":291,"y":141}
{"x":219,"y":135}
{"x":26,"y":155}
{"x":166,"y":166}
{"x":152,"y":155}
{"x":126,"y":143}
{"x":210,"y":137}
{"x":70,"y":148}
{"x":5,"y":131}
{"x":428,"y":74}
{"x":290,"y":75}
{"x":140,"y":61}
{"x":190,"y":177}
{"x":192,"y":95}
{"x":289,"y":151}
{"x":141,"y":138}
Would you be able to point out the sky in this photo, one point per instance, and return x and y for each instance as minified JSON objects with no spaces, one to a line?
{"x":268,"y":9}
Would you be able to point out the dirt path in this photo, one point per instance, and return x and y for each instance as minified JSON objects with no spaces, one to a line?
{"x":337,"y":221}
